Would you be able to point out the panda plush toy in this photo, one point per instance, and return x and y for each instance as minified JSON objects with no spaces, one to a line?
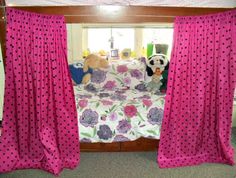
{"x":157,"y":67}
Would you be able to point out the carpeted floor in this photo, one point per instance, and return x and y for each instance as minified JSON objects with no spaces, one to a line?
{"x":131,"y":165}
{"x":234,"y":136}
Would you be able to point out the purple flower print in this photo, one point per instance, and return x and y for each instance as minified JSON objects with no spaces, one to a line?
{"x":122,"y":68}
{"x":155,"y":116}
{"x":124,"y":126}
{"x":113,"y":116}
{"x":103,"y":95}
{"x":141,"y":87}
{"x":143,"y":60}
{"x":84,"y":96}
{"x":136,"y":74}
{"x":89,"y":118}
{"x":120,"y":138}
{"x":90,"y":88}
{"x":85,"y":140}
{"x":110,"y":85}
{"x":144,"y":97}
{"x":106,"y":102}
{"x":104,"y":132}
{"x":98,"y":76}
{"x":120,"y":91}
{"x":127,"y":81}
{"x":118,"y":97}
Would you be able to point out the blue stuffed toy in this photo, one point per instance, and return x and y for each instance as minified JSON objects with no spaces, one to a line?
{"x":77,"y":72}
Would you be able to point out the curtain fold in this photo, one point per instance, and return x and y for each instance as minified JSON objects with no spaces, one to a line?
{"x":198,"y":110}
{"x":40,"y":128}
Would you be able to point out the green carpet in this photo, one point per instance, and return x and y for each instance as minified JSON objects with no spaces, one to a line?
{"x":131,"y":165}
{"x":234,"y":136}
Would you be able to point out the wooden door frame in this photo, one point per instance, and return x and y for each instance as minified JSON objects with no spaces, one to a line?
{"x":3,"y":28}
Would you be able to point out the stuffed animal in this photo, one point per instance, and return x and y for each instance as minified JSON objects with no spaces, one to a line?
{"x":156,"y":66}
{"x":81,"y":71}
{"x":77,"y":72}
{"x":93,"y":62}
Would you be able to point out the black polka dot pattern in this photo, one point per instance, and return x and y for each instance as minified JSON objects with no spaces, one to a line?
{"x":40,"y":128}
{"x":202,"y":77}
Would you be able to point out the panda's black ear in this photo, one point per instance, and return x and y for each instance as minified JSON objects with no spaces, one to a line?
{"x":149,"y":71}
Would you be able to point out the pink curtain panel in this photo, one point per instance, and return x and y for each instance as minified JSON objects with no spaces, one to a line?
{"x":40,"y":128}
{"x":198,"y":109}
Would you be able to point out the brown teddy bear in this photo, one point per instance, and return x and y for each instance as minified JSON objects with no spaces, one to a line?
{"x":93,"y":61}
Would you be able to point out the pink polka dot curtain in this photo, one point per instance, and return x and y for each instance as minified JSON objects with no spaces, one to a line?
{"x":202,"y":76}
{"x":39,"y":121}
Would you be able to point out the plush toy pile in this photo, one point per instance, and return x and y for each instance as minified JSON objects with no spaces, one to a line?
{"x":156,"y":67}
{"x":81,"y":71}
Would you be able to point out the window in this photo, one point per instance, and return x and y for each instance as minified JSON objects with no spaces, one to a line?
{"x":98,"y":39}
{"x":123,"y":38}
{"x":134,"y":38}
{"x":108,"y":38}
{"x":158,"y":36}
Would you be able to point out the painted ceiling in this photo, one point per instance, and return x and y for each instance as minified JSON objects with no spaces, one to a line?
{"x":176,"y":3}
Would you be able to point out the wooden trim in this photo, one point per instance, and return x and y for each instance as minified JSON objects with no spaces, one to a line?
{"x":100,"y":147}
{"x":2,"y":3}
{"x":141,"y":144}
{"x":3,"y":29}
{"x":126,"y":14}
{"x":126,"y":19}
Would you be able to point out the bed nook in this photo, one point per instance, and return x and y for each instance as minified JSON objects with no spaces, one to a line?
{"x":94,"y":78}
{"x":119,"y":108}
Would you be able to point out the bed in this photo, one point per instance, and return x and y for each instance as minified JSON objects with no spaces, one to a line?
{"x":116,"y":107}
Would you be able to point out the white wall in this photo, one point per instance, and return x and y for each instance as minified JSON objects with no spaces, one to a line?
{"x":74,"y":42}
{"x":138,"y":45}
{"x":234,"y":115}
{"x":2,"y":81}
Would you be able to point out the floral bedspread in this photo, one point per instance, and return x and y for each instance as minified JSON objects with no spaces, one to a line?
{"x":127,"y":73}
{"x":113,"y":115}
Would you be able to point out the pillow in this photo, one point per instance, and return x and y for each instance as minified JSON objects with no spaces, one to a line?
{"x":77,"y":72}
